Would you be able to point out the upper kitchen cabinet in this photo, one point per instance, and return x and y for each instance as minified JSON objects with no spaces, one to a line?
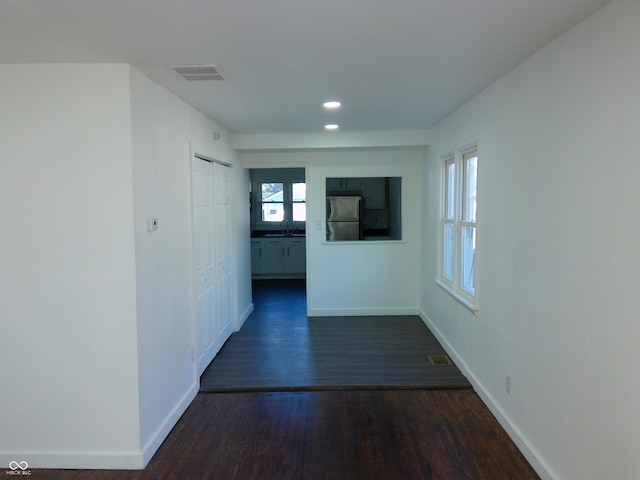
{"x":372,"y":189}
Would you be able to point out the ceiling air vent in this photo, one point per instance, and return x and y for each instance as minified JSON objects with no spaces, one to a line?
{"x":198,"y":72}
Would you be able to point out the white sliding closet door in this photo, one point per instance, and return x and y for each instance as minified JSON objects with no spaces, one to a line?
{"x":223,"y":230}
{"x":212,"y":224}
{"x":204,"y":261}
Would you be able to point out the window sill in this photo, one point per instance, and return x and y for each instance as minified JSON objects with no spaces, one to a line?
{"x":470,"y":305}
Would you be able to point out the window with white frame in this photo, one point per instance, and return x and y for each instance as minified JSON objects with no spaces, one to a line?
{"x":298,"y":201}
{"x":278,"y":196}
{"x":458,"y":229}
{"x":282,"y":201}
{"x":272,"y":201}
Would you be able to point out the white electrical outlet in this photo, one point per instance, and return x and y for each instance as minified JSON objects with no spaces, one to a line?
{"x":508,"y":384}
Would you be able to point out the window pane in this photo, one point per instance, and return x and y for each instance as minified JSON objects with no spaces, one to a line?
{"x":299,"y":195}
{"x":272,"y":212}
{"x":468,"y":259}
{"x":470,"y":176}
{"x":272,"y":192}
{"x":450,"y":189}
{"x":299,"y":192}
{"x":299,"y":212}
{"x":447,"y":266}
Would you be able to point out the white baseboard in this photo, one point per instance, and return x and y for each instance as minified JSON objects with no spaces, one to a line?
{"x":530,"y":453}
{"x":103,"y":460}
{"x":163,"y":430}
{"x":360,"y":312}
{"x":243,"y":318}
{"x":82,"y":460}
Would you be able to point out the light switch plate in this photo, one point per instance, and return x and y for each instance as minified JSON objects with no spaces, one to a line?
{"x":152,"y":224}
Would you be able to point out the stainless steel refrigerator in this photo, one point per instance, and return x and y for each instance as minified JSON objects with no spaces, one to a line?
{"x":344,"y":218}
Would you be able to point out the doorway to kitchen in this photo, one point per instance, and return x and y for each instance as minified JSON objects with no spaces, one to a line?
{"x":278,"y":214}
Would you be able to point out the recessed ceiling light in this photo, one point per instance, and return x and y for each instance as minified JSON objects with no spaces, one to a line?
{"x":331,"y":126}
{"x":331,"y":104}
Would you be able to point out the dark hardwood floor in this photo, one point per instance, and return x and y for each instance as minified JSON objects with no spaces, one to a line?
{"x":343,"y":434}
{"x":280,"y":349}
{"x":335,"y":434}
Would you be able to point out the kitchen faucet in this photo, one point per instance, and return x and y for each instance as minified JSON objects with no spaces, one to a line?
{"x":285,"y":231}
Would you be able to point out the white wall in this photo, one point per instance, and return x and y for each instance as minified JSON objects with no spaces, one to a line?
{"x":360,"y":278}
{"x":242,"y":245}
{"x":334,"y":140}
{"x":161,"y":172}
{"x":96,"y":312}
{"x":558,"y":262}
{"x":166,"y":133}
{"x":68,"y":362}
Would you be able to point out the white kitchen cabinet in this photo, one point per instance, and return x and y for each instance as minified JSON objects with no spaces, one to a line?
{"x":257,"y":258}
{"x":274,"y":256}
{"x":296,"y":255}
{"x":282,"y":257}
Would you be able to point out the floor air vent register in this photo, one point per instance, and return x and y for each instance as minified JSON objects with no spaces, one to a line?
{"x":440,"y":360}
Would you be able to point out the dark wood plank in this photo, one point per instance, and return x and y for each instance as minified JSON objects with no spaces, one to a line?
{"x":279,"y":348}
{"x":332,"y":434}
{"x":340,"y":434}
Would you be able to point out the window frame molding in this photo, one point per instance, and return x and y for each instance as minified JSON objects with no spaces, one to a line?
{"x":453,"y":286}
{"x":286,"y":176}
{"x":262,"y":203}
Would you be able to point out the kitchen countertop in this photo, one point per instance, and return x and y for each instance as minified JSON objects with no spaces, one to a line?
{"x":277,"y":235}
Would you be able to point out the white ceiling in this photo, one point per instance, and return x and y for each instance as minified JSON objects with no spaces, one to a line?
{"x":395,"y":64}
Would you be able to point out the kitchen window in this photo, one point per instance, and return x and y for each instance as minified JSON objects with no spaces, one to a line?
{"x":298,"y":201}
{"x":283,"y":201}
{"x":458,"y":228}
{"x":272,"y":196}
{"x":278,"y":199}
